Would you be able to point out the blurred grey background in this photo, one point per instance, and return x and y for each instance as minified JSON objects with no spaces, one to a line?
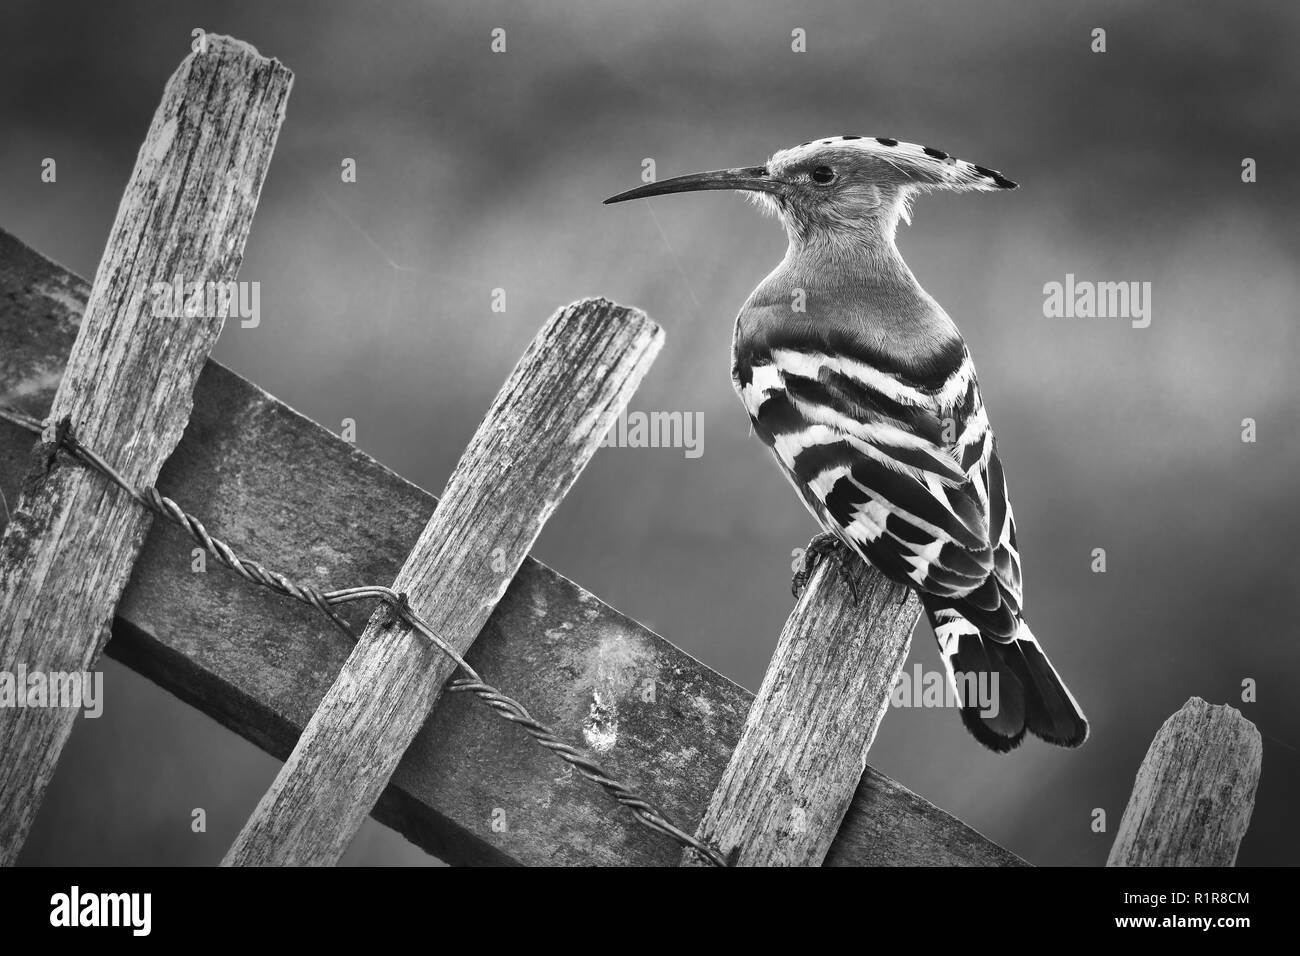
{"x":481,"y":170}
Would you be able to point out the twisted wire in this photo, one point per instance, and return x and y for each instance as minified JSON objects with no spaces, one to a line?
{"x":325,"y":601}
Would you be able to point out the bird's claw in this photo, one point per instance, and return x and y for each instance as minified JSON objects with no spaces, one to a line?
{"x":824,"y":545}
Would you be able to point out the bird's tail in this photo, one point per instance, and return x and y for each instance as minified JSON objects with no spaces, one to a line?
{"x":1006,"y":687}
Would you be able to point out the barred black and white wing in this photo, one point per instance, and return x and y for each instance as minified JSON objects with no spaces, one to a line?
{"x":901,"y":464}
{"x":898,"y":466}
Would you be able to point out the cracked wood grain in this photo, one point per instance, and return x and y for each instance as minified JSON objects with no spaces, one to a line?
{"x":803,"y":750}
{"x":1195,"y":791}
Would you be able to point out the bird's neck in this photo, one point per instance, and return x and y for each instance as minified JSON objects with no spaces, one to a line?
{"x":860,"y":286}
{"x":850,"y":255}
{"x":862,"y":270}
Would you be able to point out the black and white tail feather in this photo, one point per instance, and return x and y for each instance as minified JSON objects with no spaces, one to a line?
{"x":1030,"y":695}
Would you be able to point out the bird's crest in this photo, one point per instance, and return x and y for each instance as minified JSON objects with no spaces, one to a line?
{"x":838,"y":185}
{"x":893,"y":162}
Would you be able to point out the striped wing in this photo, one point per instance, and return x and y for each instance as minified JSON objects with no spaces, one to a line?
{"x":905,"y":472}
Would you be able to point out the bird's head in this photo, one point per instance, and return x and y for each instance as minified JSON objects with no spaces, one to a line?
{"x":842,"y":190}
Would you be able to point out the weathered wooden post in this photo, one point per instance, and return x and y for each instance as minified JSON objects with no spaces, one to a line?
{"x":546,"y":423}
{"x":804,"y":746}
{"x":69,"y":548}
{"x":1195,"y":791}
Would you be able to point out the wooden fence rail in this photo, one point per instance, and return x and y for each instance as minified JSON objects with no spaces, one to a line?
{"x":66,"y":556}
{"x":281,"y":488}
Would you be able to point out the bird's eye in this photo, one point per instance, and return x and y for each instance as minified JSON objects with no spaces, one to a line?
{"x":823,"y":175}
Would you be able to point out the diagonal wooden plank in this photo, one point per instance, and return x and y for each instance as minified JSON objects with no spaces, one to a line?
{"x":68,"y":550}
{"x":288,"y":492}
{"x":542,"y":429}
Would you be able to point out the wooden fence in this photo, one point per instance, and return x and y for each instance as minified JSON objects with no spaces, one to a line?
{"x":780,"y":778}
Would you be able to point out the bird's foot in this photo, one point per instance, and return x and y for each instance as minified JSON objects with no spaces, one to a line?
{"x":825,"y":545}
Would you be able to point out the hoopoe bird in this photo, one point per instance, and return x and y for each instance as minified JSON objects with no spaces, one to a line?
{"x":864,"y":391}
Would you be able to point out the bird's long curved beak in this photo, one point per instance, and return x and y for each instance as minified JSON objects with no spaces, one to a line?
{"x":751,"y":178}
